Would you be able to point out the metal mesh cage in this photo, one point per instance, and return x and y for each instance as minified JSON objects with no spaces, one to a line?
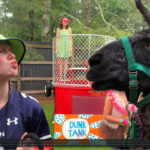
{"x":70,"y":57}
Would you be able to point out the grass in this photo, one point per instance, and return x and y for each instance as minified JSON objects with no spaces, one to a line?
{"x":49,"y":111}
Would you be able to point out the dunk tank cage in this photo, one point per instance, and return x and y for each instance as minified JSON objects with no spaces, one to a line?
{"x":73,"y":93}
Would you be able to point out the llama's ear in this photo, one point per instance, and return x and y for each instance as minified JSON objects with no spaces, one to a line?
{"x":144,"y":11}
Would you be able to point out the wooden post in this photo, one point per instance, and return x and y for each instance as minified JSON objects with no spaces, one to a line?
{"x":19,"y":79}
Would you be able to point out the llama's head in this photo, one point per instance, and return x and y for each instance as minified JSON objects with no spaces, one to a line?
{"x":109,"y":66}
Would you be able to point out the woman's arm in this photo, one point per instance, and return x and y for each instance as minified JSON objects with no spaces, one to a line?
{"x":57,"y":34}
{"x":107,"y":113}
{"x":70,"y":32}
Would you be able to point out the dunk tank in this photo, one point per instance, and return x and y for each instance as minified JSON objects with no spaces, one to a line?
{"x":78,"y":108}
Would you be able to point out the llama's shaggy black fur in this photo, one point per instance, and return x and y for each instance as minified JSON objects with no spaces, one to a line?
{"x":109,"y":70}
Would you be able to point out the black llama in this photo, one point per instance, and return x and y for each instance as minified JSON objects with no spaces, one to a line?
{"x":109,"y":67}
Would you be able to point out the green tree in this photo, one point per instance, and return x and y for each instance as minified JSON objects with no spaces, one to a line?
{"x":20,"y":19}
{"x":112,"y":17}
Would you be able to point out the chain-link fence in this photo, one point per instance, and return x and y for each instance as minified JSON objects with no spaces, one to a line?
{"x":70,"y":57}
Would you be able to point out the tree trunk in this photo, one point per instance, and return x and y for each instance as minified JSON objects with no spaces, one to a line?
{"x":52,"y":18}
{"x":87,"y":12}
{"x":31,"y":16}
{"x":45,"y":21}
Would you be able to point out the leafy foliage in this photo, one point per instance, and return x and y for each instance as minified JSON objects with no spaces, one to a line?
{"x":122,"y":15}
{"x":31,"y":54}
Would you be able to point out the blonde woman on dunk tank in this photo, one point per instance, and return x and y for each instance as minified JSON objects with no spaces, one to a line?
{"x":63,"y":45}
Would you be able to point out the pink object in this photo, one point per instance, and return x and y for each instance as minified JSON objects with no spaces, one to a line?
{"x":125,"y":121}
{"x":131,"y":107}
{"x":112,"y":99}
{"x":65,"y":20}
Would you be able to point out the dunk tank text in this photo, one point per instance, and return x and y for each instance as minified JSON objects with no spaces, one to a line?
{"x":78,"y":108}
